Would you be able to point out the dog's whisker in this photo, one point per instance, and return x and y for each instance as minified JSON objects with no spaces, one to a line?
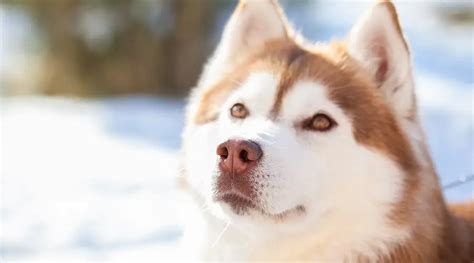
{"x":221,"y":234}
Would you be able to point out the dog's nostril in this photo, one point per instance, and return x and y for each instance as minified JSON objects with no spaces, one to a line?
{"x":244,"y":156}
{"x":223,"y":152}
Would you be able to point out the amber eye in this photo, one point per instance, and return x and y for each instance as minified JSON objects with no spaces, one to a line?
{"x":319,"y":122}
{"x":239,"y":111}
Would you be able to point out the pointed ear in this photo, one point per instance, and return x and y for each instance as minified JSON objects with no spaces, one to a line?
{"x":377,"y":42}
{"x":253,"y":23}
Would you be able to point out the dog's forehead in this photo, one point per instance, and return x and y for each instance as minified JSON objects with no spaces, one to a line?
{"x":270,"y":74}
{"x":257,"y":91}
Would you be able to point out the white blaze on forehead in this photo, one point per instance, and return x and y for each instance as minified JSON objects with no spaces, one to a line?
{"x":257,"y":93}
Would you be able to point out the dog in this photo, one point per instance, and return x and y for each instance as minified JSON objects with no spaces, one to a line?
{"x":314,"y":152}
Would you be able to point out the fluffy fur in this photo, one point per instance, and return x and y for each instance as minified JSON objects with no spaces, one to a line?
{"x":364,"y":191}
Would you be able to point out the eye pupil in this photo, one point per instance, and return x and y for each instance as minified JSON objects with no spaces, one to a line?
{"x":238,"y":111}
{"x":319,"y":122}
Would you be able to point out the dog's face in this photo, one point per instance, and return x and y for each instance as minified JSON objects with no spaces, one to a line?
{"x":281,"y":135}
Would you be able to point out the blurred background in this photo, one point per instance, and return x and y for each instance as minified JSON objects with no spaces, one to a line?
{"x":92,"y":97}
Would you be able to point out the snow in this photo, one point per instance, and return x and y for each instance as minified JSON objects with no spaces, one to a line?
{"x":94,"y":180}
{"x":447,"y":117}
{"x":74,"y":178}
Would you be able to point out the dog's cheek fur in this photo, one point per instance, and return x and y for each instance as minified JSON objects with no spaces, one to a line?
{"x":355,"y":184}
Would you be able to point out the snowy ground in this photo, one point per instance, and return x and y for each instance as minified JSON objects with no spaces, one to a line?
{"x":94,"y":179}
{"x":88,"y":178}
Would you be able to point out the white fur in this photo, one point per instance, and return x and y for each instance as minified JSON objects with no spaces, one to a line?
{"x":257,"y":92}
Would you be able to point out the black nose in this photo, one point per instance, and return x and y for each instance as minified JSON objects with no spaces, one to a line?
{"x":238,"y":156}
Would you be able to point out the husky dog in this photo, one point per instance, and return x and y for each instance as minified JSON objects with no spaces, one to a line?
{"x":314,"y":152}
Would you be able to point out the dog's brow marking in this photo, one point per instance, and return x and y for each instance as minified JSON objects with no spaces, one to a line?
{"x":287,"y":79}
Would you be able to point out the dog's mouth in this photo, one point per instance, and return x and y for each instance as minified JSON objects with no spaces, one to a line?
{"x":238,"y":203}
{"x":242,"y":205}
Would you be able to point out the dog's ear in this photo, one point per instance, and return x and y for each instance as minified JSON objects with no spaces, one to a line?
{"x":376,"y":41}
{"x":253,"y":23}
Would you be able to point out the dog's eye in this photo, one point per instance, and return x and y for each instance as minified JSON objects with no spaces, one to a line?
{"x":319,"y":122}
{"x":239,"y":111}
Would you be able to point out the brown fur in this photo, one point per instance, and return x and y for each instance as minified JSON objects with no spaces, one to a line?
{"x":438,"y":235}
{"x":465,"y":210}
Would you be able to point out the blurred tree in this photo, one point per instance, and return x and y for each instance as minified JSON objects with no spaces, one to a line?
{"x":111,"y":47}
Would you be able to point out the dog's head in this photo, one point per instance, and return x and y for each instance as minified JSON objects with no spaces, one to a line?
{"x":282,"y":133}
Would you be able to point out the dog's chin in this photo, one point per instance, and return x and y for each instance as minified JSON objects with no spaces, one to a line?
{"x":237,"y":205}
